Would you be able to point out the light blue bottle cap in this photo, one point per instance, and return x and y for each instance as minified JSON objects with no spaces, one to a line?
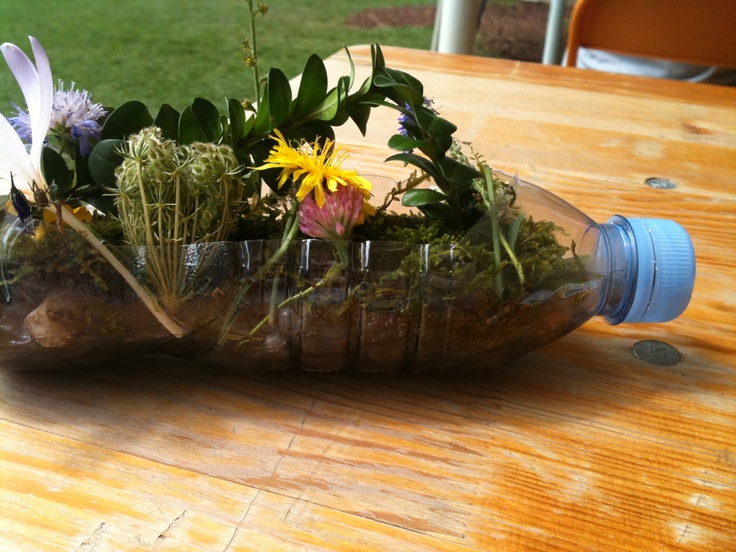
{"x":665,"y":270}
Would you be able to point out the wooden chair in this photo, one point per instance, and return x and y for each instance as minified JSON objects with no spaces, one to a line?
{"x":700,"y":32}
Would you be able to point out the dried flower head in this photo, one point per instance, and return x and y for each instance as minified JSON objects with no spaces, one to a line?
{"x":172,"y":194}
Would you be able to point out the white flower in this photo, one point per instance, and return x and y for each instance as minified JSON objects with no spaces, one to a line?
{"x":38,"y":90}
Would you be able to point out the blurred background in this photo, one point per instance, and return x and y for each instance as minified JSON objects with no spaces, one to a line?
{"x":171,"y":51}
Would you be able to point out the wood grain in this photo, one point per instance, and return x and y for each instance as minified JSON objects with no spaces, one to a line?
{"x":578,"y":446}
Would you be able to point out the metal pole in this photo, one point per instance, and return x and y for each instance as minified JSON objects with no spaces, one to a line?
{"x":551,"y":55}
{"x":455,"y":26}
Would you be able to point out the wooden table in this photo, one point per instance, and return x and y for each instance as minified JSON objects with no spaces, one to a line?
{"x":579,"y":446}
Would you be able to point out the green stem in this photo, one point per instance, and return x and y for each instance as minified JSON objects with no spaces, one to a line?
{"x":514,"y":260}
{"x":495,"y":232}
{"x":176,"y":263}
{"x":334,"y":270}
{"x":409,"y":184}
{"x":154,"y":253}
{"x":252,"y":15}
{"x":290,"y":230}
{"x":225,"y":215}
{"x":177,"y":207}
{"x":144,"y":201}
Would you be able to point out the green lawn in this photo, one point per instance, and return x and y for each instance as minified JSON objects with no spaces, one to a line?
{"x":171,"y":51}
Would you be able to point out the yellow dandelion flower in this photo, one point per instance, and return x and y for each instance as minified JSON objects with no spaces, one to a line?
{"x":314,"y":167}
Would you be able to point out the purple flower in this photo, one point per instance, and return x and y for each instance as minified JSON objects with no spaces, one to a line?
{"x":342,"y":210}
{"x":87,"y":133}
{"x":22,"y":124}
{"x":407,"y":117}
{"x":75,"y":116}
{"x":403,"y":119}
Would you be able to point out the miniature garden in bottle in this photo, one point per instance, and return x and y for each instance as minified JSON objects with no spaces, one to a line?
{"x":240,"y":238}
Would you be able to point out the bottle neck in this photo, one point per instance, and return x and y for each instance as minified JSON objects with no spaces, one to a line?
{"x":648,"y":266}
{"x":617,"y":262}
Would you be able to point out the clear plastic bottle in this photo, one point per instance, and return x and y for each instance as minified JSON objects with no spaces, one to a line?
{"x":375,"y":306}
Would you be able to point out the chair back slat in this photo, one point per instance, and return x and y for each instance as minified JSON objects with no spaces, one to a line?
{"x":701,"y":32}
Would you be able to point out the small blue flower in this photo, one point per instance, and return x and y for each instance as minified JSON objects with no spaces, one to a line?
{"x":75,"y":116}
{"x":86,"y":133}
{"x":21,"y":123}
{"x":406,"y":117}
{"x":403,"y":119}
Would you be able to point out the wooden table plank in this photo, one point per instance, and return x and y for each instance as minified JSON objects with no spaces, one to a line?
{"x":62,"y":494}
{"x":426,"y":456}
{"x":578,"y":446}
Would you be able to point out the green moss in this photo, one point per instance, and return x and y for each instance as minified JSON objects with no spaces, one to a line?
{"x":405,"y":228}
{"x":60,"y":258}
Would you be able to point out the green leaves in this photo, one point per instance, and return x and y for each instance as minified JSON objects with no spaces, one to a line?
{"x":404,"y":143}
{"x":314,"y":101}
{"x":435,"y":125}
{"x":199,"y":122}
{"x":237,"y":121}
{"x":168,"y":121}
{"x":103,"y":161}
{"x":278,"y":89}
{"x":56,"y":171}
{"x":329,"y":107}
{"x":311,"y":114}
{"x":418,"y":161}
{"x":455,"y":171}
{"x":312,"y":88}
{"x":419,"y":197}
{"x":401,"y":87}
{"x":424,"y":130}
{"x":127,"y":119}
